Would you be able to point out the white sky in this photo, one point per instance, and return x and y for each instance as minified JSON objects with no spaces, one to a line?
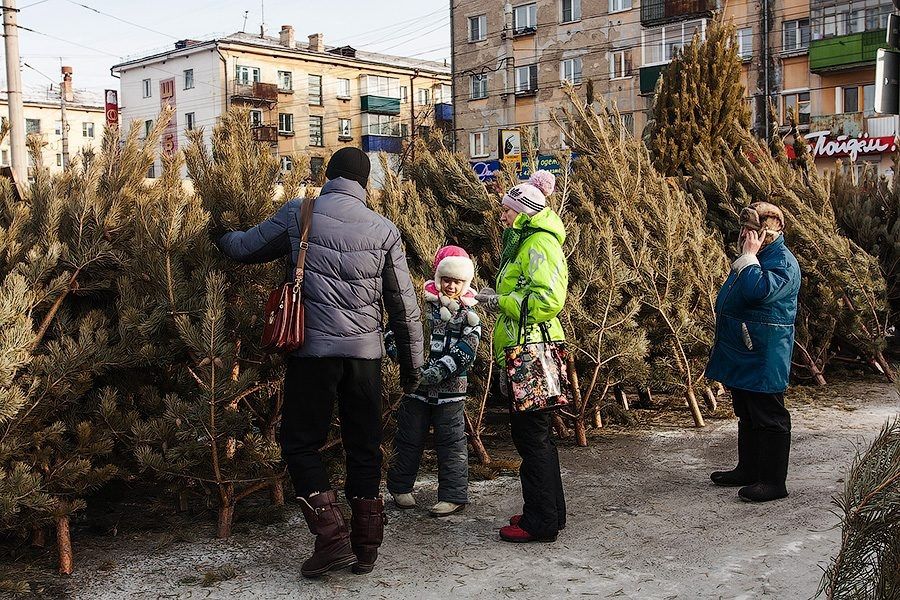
{"x":94,"y":42}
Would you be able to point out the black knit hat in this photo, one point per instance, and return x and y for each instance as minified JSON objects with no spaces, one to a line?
{"x":350,"y":163}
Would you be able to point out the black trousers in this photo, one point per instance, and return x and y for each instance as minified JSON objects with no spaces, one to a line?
{"x":311,"y":388}
{"x":544,"y":508}
{"x":762,"y":412}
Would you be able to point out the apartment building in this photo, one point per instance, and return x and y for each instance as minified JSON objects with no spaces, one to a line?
{"x":85,"y":120}
{"x":303,"y":97}
{"x":815,"y":56}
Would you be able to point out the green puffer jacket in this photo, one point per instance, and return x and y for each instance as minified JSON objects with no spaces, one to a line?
{"x":540,"y":270}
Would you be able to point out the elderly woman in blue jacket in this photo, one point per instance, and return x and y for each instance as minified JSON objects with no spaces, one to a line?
{"x":751,"y":356}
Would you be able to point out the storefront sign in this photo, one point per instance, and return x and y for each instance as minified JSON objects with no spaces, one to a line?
{"x":112,"y":108}
{"x":510,"y":145}
{"x":822,"y":145}
{"x":170,"y":133}
{"x":487,"y":169}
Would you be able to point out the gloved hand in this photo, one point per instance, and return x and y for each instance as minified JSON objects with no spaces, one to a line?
{"x":410,"y":381}
{"x":489,"y":299}
{"x":215,"y":233}
{"x":432,"y":376}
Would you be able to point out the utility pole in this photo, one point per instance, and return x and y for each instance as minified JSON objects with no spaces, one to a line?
{"x":64,"y":90}
{"x":18,"y":149}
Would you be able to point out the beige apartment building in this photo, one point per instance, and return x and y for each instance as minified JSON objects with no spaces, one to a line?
{"x":304,"y":97}
{"x":85,"y":120}
{"x":512,"y":60}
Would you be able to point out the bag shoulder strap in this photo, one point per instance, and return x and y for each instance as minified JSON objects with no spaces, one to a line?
{"x":304,"y":223}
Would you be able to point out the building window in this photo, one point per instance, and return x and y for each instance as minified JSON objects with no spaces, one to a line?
{"x":570,"y":70}
{"x":795,"y":35}
{"x":478,"y":144}
{"x":57,"y":128}
{"x":526,"y":79}
{"x":315,"y":132}
{"x":620,"y":64}
{"x":385,"y":87}
{"x":868,"y":106}
{"x":32,"y":126}
{"x":148,"y":127}
{"x":404,"y":94}
{"x":87,"y":130}
{"x":443,"y":93}
{"x":404,"y":131}
{"x":344,"y":126}
{"x":745,"y":42}
{"x":832,"y":19}
{"x":188,"y":79}
{"x":619,"y":5}
{"x":478,"y":28}
{"x":59,"y":161}
{"x":877,"y":17}
{"x":4,"y":157}
{"x":315,"y":90}
{"x":343,"y":89}
{"x":382,"y":125}
{"x":525,"y":19}
{"x":286,"y":123}
{"x":851,"y":99}
{"x":189,"y":121}
{"x":798,"y":101}
{"x":287,"y":164}
{"x":255,"y":118}
{"x":571,"y":11}
{"x":479,"y":86}
{"x":246,"y":75}
{"x":422,"y":97}
{"x":145,"y":86}
{"x":285,"y":82}
{"x":659,"y":45}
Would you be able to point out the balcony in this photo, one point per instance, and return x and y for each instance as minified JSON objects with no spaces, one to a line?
{"x":845,"y":51}
{"x":256,"y":92}
{"x":649,"y":77}
{"x":657,"y":12}
{"x":851,"y":124}
{"x":380,"y":105}
{"x":382,"y":143}
{"x":443,"y":112}
{"x":265,"y":133}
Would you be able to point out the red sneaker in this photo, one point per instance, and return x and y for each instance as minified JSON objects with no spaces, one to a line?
{"x":515,"y":534}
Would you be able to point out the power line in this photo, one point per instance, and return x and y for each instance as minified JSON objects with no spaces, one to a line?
{"x":105,"y":14}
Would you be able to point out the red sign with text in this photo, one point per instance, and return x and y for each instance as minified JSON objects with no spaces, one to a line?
{"x":823,"y":145}
{"x":111,"y":98}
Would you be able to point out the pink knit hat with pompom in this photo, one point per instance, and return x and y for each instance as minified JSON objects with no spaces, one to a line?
{"x":531,"y":198}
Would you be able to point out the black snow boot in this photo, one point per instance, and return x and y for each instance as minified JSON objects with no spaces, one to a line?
{"x":746,"y":471}
{"x":774,"y":452}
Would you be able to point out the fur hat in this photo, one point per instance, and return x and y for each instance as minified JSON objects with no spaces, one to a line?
{"x":453,"y":262}
{"x":531,"y":198}
{"x":764,"y":218}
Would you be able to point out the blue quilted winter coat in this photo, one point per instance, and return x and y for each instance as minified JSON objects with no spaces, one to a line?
{"x":755,"y":313}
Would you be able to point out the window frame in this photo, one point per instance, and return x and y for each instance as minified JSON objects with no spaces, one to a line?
{"x":618,"y":6}
{"x":345,"y":129}
{"x":314,"y":99}
{"x":147,"y":88}
{"x":664,"y":46}
{"x":188,"y":75}
{"x":285,"y":117}
{"x":287,"y":164}
{"x":575,"y":61}
{"x":532,"y":79}
{"x":285,"y":77}
{"x":85,"y":127}
{"x":795,"y":27}
{"x":574,"y":11}
{"x":482,"y":28}
{"x":531,"y":18}
{"x":744,"y":34}
{"x":190,"y":121}
{"x":485,"y":151}
{"x":343,"y":94}
{"x":316,"y":122}
{"x":481,"y":85}
{"x":254,"y":74}
{"x":254,"y":121}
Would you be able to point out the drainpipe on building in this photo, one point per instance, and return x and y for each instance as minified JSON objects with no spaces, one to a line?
{"x":412,"y":112}
{"x":453,"y":73}
{"x":225,"y":70}
{"x":510,"y":65}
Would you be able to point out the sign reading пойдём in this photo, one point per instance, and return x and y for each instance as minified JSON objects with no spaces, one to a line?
{"x":823,"y":145}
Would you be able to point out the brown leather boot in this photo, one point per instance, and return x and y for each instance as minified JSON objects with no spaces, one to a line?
{"x":366,"y":532}
{"x":332,"y":550}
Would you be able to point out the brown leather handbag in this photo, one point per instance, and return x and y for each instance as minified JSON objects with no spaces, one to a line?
{"x":283,"y":329}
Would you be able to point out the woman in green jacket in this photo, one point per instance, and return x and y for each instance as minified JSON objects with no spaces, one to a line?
{"x":532,"y":265}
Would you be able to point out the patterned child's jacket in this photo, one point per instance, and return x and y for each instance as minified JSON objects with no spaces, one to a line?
{"x":455,"y":334}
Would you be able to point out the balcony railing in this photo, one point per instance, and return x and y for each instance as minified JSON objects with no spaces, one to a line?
{"x":657,"y":12}
{"x":443,"y":111}
{"x":255,"y":92}
{"x":845,"y":51}
{"x":380,"y":105}
{"x":265,"y":133}
{"x":851,"y":124}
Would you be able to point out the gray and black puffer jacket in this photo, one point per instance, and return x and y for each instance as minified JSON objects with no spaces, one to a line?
{"x":355,"y":265}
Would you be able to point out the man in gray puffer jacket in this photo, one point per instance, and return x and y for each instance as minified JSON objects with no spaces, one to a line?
{"x":355,"y":265}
